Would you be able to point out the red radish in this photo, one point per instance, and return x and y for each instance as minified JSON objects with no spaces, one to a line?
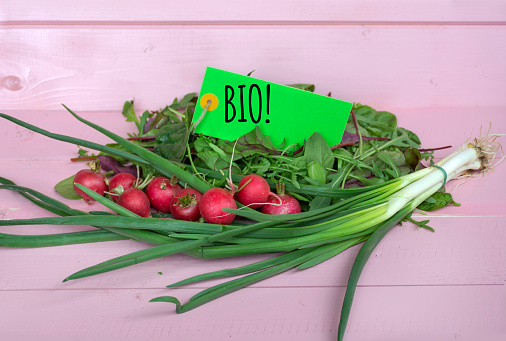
{"x":288,"y":204}
{"x":125,"y":180}
{"x":93,"y":180}
{"x":185,"y":205}
{"x":253,"y":191}
{"x":135,"y":200}
{"x":212,"y":203}
{"x":160,"y":192}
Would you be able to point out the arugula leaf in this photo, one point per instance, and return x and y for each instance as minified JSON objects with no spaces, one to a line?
{"x":142,"y":122}
{"x":387,"y":159}
{"x":376,"y":123}
{"x":129,"y":112}
{"x":422,"y":223}
{"x":264,"y":167}
{"x":84,"y":153}
{"x":248,"y":147}
{"x":378,"y":172}
{"x":294,"y":180}
{"x":188,"y":100}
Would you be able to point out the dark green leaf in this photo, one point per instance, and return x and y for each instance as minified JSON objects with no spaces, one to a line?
{"x":171,"y":141}
{"x":299,"y":162}
{"x":377,"y":123}
{"x":378,"y":172}
{"x":316,"y":172}
{"x":143,"y":120}
{"x":66,"y":188}
{"x":389,"y":161}
{"x":264,"y":167}
{"x":412,"y":157}
{"x":256,"y":138}
{"x":422,"y":223}
{"x":369,"y":181}
{"x":317,"y":149}
{"x":188,"y":117}
{"x":411,"y":136}
{"x":430,"y":200}
{"x":319,"y":202}
{"x":187,"y":101}
{"x":201,"y":144}
{"x":294,"y":181}
{"x":439,"y":200}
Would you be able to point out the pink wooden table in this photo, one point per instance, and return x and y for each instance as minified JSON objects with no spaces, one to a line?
{"x":440,"y":66}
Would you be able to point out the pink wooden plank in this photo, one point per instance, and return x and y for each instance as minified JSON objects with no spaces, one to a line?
{"x":379,"y":313}
{"x":390,"y":66}
{"x":279,"y":11}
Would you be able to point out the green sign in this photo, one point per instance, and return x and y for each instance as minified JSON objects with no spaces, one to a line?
{"x":234,"y":104}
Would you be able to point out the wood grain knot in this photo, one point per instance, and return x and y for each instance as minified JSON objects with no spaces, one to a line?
{"x":12,"y":83}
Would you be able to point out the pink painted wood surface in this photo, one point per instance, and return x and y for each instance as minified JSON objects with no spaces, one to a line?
{"x":15,"y":11}
{"x":382,"y":313}
{"x":97,"y":68}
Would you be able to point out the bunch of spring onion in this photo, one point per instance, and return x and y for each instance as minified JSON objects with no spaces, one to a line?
{"x":360,"y":215}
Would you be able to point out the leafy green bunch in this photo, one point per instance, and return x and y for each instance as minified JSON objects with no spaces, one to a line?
{"x":373,"y":150}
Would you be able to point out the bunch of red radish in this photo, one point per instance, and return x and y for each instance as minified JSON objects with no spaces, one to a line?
{"x":167,"y":196}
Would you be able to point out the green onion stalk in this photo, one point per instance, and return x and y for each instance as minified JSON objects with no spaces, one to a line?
{"x":304,"y":239}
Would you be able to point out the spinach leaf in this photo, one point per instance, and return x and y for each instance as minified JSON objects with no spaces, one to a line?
{"x":412,"y":158}
{"x":412,"y":137}
{"x":436,"y":201}
{"x":257,"y":140}
{"x":317,"y":149}
{"x":171,"y":141}
{"x":316,"y":172}
{"x":66,"y":188}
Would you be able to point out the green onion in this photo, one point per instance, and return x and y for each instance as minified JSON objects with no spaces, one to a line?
{"x":293,"y":260}
{"x":408,"y":193}
{"x":161,"y":251}
{"x":44,"y":240}
{"x":62,"y":209}
{"x":363,"y":215}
